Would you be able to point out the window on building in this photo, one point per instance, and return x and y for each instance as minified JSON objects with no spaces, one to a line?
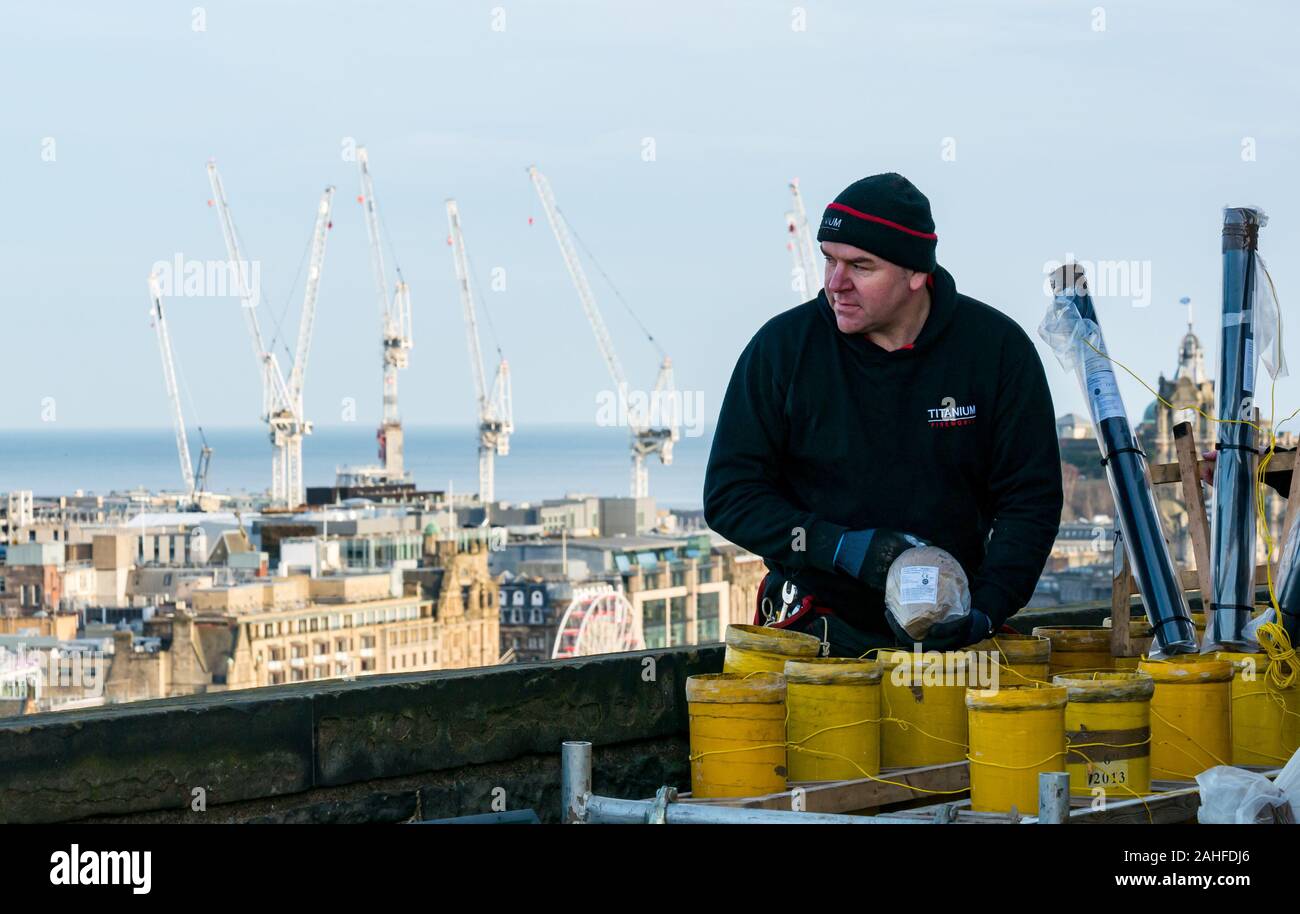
{"x":516,"y":616}
{"x":677,"y":606}
{"x":707,"y":617}
{"x":297,"y":675}
{"x":653,"y":623}
{"x":517,"y":598}
{"x":367,"y":664}
{"x":535,"y":616}
{"x":277,"y":678}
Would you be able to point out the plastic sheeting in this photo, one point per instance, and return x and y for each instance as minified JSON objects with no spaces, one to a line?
{"x":1071,"y":329}
{"x":1235,"y":796}
{"x":1232,"y":549}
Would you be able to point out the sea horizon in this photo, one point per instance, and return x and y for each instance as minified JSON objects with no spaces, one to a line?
{"x":545,"y":461}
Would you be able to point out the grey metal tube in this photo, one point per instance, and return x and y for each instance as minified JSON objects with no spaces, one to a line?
{"x":1053,"y":797}
{"x":575,"y":780}
{"x":609,"y":810}
{"x":1233,"y":536}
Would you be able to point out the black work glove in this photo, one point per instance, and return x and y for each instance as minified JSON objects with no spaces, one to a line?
{"x":867,"y":554}
{"x":947,"y":636}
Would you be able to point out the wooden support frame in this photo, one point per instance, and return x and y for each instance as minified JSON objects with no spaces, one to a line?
{"x":1168,"y":801}
{"x":858,"y":793}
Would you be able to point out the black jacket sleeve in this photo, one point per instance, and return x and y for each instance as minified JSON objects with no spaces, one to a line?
{"x":1024,"y":485}
{"x":744,"y":497}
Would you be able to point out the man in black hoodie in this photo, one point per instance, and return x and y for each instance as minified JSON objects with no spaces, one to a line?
{"x":887,"y":411}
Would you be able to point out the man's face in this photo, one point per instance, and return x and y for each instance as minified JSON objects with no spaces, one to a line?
{"x":866,"y":292}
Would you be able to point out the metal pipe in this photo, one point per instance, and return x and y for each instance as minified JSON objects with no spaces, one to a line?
{"x":1233,"y":535}
{"x":609,"y":810}
{"x":575,"y":780}
{"x":1126,"y":466}
{"x":1053,"y":797}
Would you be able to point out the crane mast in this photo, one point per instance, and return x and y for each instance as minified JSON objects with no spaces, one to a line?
{"x":801,"y":236}
{"x":281,"y":400}
{"x":495,"y":413}
{"x":800,"y":269}
{"x":646,"y":440}
{"x":395,"y":320}
{"x":169,"y":380}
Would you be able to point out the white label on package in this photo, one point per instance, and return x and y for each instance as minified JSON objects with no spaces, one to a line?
{"x":1248,"y":369}
{"x":919,"y":584}
{"x":1103,"y":392}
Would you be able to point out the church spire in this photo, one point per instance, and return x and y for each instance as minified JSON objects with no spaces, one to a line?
{"x":1191,"y":356}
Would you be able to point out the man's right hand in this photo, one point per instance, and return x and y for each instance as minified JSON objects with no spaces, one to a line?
{"x":1207,"y":466}
{"x":867,"y":554}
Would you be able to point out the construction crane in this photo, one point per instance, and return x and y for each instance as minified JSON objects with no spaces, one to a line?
{"x":807,"y":264}
{"x":195,"y":478}
{"x":395,"y":314}
{"x":282,"y":401}
{"x":495,"y":415}
{"x":647,"y":440}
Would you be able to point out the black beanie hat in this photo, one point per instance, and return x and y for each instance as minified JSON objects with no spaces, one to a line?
{"x":887,"y":216}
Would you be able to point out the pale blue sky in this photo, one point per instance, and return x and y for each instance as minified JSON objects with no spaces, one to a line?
{"x":1120,"y":144}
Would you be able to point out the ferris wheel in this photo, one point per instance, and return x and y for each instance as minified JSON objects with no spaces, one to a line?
{"x":601,"y":623}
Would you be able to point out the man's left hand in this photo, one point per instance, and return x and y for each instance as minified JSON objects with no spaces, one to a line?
{"x":959,"y":633}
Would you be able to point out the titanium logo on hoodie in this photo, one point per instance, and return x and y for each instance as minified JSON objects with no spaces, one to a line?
{"x":950,"y":415}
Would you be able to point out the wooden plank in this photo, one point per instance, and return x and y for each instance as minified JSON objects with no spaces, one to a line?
{"x":1170,"y":472}
{"x":860,"y":793}
{"x":1198,"y":523}
{"x":1189,"y":578}
{"x":1292,"y":501}
{"x":1158,"y":809}
{"x":1121,"y":586}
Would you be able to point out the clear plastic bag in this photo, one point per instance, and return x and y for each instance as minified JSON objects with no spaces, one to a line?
{"x":1235,"y":796}
{"x":926,"y":586}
